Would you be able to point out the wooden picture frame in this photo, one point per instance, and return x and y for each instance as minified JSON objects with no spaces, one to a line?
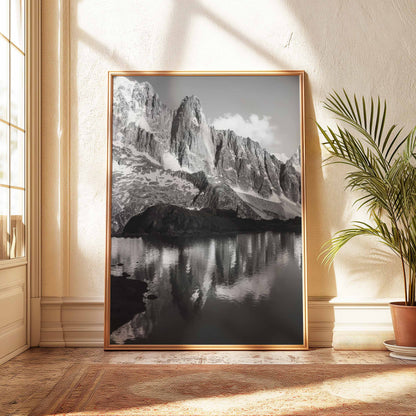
{"x":205,"y":224}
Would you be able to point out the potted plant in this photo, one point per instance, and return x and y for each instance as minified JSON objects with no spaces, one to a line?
{"x":382,"y":164}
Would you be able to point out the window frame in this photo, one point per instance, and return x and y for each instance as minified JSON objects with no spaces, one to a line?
{"x":21,"y":260}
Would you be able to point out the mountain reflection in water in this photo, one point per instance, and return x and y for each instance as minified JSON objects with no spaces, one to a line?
{"x":240,"y":289}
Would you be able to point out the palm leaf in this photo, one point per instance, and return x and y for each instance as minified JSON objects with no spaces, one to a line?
{"x":383,"y":172}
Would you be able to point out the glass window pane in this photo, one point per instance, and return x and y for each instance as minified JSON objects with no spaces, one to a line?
{"x":17,"y":23}
{"x":17,"y":223}
{"x":17,"y":158}
{"x":4,"y":154}
{"x":4,"y":17}
{"x":4,"y":223}
{"x":4,"y":79}
{"x":17,"y":93}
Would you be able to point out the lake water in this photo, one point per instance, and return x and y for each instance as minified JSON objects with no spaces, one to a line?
{"x":240,"y":289}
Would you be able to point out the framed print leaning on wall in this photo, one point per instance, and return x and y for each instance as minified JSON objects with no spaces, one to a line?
{"x":206,"y":211}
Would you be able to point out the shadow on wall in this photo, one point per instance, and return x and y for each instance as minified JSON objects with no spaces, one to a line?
{"x":180,"y":24}
{"x":328,"y":206}
{"x":349,"y":39}
{"x":317,"y":219}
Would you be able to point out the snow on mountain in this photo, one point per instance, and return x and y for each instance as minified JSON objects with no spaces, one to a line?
{"x":173,"y":156}
{"x":282,"y":157}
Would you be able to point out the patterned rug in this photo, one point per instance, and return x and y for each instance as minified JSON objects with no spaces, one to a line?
{"x":308,"y":390}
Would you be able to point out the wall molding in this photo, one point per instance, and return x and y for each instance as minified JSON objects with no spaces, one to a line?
{"x":362,"y":325}
{"x":321,"y":321}
{"x":34,"y":113}
{"x":72,"y":322}
{"x":345,"y":324}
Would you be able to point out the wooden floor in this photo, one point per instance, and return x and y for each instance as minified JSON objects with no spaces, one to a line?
{"x":28,"y":378}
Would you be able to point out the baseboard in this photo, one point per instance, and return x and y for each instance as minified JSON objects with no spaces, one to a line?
{"x":35,"y":322}
{"x":359,"y":324}
{"x":362,"y":324}
{"x":321,"y":321}
{"x":13,"y":354}
{"x":72,"y":322}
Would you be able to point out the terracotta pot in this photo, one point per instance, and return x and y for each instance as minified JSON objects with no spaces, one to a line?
{"x":404,"y":323}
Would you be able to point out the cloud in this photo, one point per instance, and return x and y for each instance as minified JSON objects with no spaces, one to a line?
{"x":258,"y":128}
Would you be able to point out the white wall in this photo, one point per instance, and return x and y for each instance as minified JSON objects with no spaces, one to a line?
{"x":365,"y":46}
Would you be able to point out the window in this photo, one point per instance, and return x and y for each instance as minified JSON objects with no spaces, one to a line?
{"x":12,"y":129}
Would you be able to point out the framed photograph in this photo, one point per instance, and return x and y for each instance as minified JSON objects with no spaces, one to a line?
{"x":206,"y":211}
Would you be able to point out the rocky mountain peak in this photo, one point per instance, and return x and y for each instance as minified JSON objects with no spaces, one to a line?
{"x":136,"y":108}
{"x":240,"y":174}
{"x":146,"y":86}
{"x":191,"y":100}
{"x":191,"y":108}
{"x":294,"y":160}
{"x":191,"y":140}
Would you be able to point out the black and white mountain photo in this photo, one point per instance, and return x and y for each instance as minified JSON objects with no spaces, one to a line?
{"x":206,"y":242}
